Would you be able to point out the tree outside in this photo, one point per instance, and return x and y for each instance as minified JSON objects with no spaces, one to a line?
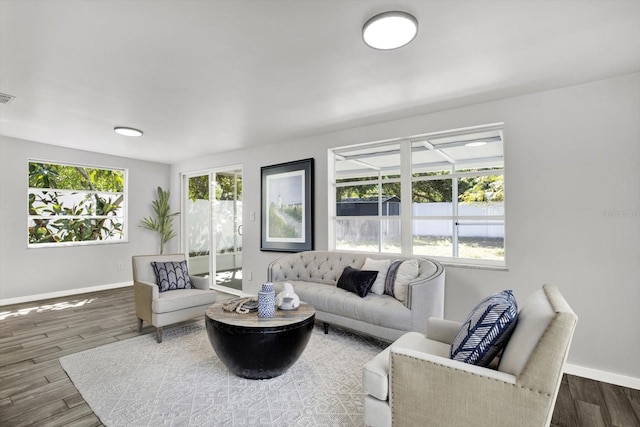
{"x":72,"y":203}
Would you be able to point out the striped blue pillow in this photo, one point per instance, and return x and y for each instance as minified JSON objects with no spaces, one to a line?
{"x":487,"y":330}
{"x":172,"y":275}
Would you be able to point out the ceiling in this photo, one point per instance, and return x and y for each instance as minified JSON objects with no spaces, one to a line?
{"x":202,"y":77}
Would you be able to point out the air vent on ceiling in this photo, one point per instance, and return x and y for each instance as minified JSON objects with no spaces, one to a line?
{"x":5,"y":98}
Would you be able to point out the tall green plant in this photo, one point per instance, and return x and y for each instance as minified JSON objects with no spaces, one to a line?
{"x":163,"y":223}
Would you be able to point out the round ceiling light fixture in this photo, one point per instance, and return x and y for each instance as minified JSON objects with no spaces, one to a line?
{"x":121,"y":130}
{"x":390,"y":30}
{"x":475,"y":144}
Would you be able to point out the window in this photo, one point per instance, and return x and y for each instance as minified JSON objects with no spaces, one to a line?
{"x":438,"y":195}
{"x":73,"y":204}
{"x":367,"y":188}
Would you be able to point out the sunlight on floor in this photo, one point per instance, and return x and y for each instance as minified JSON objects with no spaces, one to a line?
{"x":46,"y":307}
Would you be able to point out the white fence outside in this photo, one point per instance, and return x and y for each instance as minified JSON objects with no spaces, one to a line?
{"x":225,"y":227}
{"x":354,"y":227}
{"x":493,"y":229}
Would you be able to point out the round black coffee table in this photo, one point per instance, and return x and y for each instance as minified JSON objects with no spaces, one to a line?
{"x":258,"y":348}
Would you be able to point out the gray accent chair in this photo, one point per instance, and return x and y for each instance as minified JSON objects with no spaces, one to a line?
{"x":414,"y":383}
{"x":165,"y":308}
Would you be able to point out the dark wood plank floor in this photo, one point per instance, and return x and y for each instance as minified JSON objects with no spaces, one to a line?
{"x":35,"y":390}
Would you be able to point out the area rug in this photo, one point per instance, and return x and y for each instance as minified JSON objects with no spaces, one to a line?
{"x":181,"y":382}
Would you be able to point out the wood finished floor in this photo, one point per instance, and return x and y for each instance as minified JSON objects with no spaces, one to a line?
{"x":35,"y":390}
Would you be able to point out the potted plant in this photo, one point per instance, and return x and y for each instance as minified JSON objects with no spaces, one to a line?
{"x":163,"y":222}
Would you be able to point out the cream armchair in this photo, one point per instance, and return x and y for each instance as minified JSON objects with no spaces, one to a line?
{"x":164,"y":308}
{"x":414,"y":383}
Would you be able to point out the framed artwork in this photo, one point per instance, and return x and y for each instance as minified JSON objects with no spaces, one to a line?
{"x":287,"y":207}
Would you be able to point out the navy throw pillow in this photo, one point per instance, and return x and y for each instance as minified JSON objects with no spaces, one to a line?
{"x":487,"y":330}
{"x":172,"y":275}
{"x":357,"y":281}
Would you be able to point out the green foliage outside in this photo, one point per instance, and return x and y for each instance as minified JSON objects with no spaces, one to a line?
{"x":225,"y":187}
{"x":199,"y":187}
{"x":65,"y":177}
{"x":488,"y":188}
{"x":76,"y":222}
{"x":483,"y":189}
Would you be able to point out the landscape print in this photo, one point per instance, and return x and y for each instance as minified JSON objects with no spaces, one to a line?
{"x":285,"y":195}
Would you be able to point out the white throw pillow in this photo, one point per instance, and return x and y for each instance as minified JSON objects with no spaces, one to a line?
{"x":381,"y":266}
{"x":407,"y":272}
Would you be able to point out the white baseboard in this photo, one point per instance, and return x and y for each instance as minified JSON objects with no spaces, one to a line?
{"x":29,"y":298}
{"x":603,"y":376}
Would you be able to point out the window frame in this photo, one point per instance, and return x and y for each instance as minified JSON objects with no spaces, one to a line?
{"x":407,"y":180}
{"x":456,"y":218}
{"x":125,"y":206}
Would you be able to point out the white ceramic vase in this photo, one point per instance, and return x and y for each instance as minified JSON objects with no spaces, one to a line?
{"x":287,"y":299}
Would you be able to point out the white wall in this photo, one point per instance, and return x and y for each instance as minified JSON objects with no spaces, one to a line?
{"x":25,"y":273}
{"x":575,"y":149}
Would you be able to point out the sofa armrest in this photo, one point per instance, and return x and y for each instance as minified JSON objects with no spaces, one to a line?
{"x":144,"y":294}
{"x":430,"y":390}
{"x":273,"y":271}
{"x":425,"y":299}
{"x":200,"y":282}
{"x":442,"y":330}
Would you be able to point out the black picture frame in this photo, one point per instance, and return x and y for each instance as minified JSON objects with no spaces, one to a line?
{"x":287,"y":207}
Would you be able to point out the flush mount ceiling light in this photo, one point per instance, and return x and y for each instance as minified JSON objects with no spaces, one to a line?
{"x":121,"y":130}
{"x":475,"y":144}
{"x":390,"y":30}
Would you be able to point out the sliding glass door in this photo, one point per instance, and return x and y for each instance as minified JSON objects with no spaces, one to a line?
{"x":227,"y":217}
{"x":212,"y":224}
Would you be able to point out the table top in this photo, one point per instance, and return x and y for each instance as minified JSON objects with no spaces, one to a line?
{"x":251,"y":320}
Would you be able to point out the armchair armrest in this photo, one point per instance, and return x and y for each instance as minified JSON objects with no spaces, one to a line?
{"x":200,"y":282}
{"x":426,"y":389}
{"x":439,"y":362}
{"x":148,"y":287}
{"x":144,"y":294}
{"x":442,"y":330}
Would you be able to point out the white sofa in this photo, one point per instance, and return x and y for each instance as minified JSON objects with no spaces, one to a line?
{"x":415,"y":383}
{"x":314,"y":275}
{"x":165,"y":308}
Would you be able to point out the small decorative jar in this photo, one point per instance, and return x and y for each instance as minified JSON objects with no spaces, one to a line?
{"x":267,"y":301}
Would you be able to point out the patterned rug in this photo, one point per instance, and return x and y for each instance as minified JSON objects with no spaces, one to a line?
{"x":181,"y":382}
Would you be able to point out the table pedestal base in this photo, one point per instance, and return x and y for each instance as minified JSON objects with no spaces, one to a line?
{"x":259,"y":353}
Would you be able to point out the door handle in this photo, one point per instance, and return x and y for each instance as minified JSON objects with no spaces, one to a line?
{"x":240,"y":229}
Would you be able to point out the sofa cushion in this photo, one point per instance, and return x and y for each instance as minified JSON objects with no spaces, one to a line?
{"x":375,"y":375}
{"x":357,"y":281}
{"x":171,"y":275}
{"x":381,"y":266}
{"x":181,"y":299}
{"x":407,"y":272}
{"x":486,"y":330}
{"x":379,"y":310}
